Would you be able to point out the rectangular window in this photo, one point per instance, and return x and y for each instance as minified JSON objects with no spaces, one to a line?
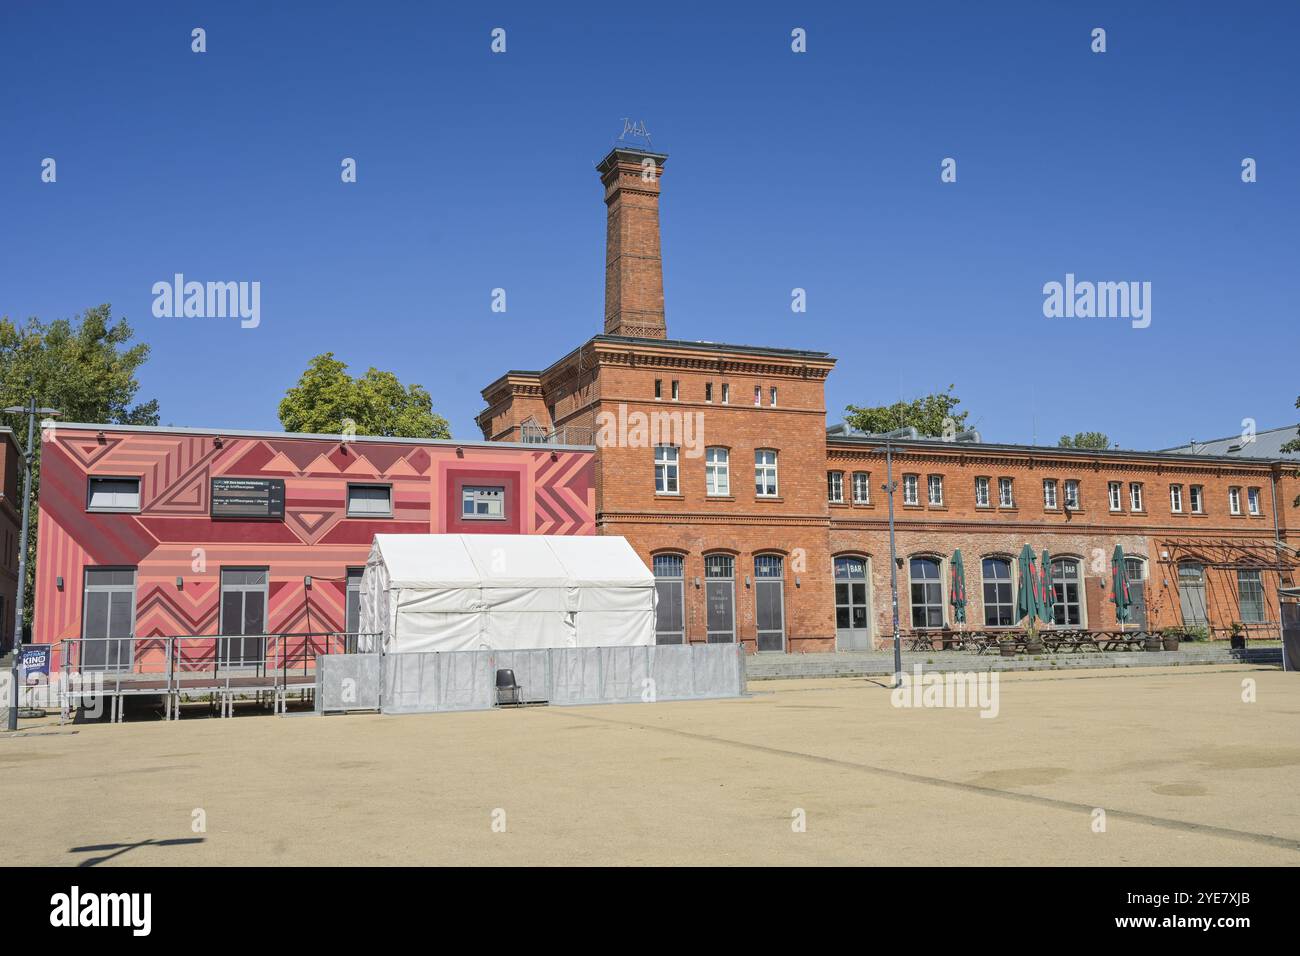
{"x":1198,"y":499}
{"x":726,"y":394}
{"x":861,"y":488}
{"x":999,"y":598}
{"x":717,"y":472}
{"x":1005,"y":496}
{"x":1234,"y":501}
{"x":935,"y":489}
{"x":1135,"y":495}
{"x":1176,"y":499}
{"x":708,"y":391}
{"x":1072,"y":494}
{"x":835,"y":487}
{"x":370,"y":501}
{"x":677,"y":392}
{"x":765,"y":485}
{"x":1250,"y":596}
{"x":771,"y":396}
{"x":352,"y":612}
{"x":1049,"y":492}
{"x":113,"y":494}
{"x":659,"y":390}
{"x":670,"y":607}
{"x":1116,"y":491}
{"x":108,"y":618}
{"x":758,"y":395}
{"x":1252,"y":500}
{"x":243,"y":616}
{"x":483,"y":502}
{"x":911,"y":494}
{"x":665,"y":470}
{"x":981,"y":492}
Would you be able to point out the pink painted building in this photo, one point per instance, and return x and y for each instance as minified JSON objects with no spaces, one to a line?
{"x":172,"y":531}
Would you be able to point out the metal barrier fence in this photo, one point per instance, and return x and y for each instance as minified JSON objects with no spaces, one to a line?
{"x":466,"y":680}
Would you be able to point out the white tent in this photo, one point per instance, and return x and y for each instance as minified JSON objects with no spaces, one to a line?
{"x":465,"y":592}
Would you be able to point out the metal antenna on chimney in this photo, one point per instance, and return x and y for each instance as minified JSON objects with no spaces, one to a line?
{"x":635,"y":129}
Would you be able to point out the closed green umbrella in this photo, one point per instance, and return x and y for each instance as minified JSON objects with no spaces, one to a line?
{"x":957,"y":588}
{"x":1026,"y":598}
{"x":1119,"y":592}
{"x":1046,"y":593}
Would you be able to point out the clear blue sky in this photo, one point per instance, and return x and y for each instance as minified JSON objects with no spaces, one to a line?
{"x":819,"y":171}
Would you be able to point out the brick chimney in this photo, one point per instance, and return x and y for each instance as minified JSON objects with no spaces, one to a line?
{"x":634,"y":274}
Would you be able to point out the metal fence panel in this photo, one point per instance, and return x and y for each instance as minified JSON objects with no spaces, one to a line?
{"x":532,"y":672}
{"x":348,"y":682}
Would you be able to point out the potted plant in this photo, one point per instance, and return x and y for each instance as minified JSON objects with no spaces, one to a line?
{"x":1237,"y":636}
{"x":1172,"y":638}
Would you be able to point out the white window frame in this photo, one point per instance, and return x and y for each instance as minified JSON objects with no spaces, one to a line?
{"x":120,"y":501}
{"x":835,"y":487}
{"x":667,"y":474}
{"x":764,"y":469}
{"x":726,"y":393}
{"x":1115,"y":490}
{"x":488,"y":494}
{"x":758,"y":396}
{"x":367,"y":512}
{"x":911,"y":489}
{"x":717,"y":472}
{"x":1049,"y":494}
{"x":1135,"y":495}
{"x":982,"y":499}
{"x":1252,"y":502}
{"x":1072,"y":498}
{"x":771,"y":396}
{"x":1196,"y":498}
{"x":1234,"y":500}
{"x":934,"y":483}
{"x":862,"y":481}
{"x":1176,"y":499}
{"x":1006,"y":493}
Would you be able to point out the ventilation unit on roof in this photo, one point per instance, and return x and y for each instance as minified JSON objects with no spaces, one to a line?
{"x":1235,"y":446}
{"x":969,"y":435}
{"x":909,"y":433}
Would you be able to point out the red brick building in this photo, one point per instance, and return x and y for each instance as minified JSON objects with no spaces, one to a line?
{"x":766,"y":527}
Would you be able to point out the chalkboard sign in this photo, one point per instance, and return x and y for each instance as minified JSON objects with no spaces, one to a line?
{"x":247,"y":498}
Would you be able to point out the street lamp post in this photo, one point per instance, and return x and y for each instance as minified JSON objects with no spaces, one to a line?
{"x":31,"y":411}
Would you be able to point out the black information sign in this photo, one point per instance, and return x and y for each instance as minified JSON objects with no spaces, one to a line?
{"x":247,"y":498}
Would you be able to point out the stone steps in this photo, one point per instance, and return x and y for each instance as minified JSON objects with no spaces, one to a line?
{"x":873,"y":664}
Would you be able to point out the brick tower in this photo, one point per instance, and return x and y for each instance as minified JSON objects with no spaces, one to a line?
{"x":634,"y":274}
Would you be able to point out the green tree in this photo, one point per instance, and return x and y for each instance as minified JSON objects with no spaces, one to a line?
{"x":86,"y":368}
{"x":931,"y":415}
{"x":1097,"y":440}
{"x":377,"y":403}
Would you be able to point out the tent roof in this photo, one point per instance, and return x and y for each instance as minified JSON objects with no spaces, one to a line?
{"x":509,"y":560}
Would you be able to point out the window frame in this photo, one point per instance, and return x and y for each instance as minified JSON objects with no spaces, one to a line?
{"x":666,"y":463}
{"x":1176,"y":499}
{"x":1115,"y":496}
{"x":835,"y":487}
{"x":1261,"y":603}
{"x":114,"y":509}
{"x":914,"y":482}
{"x":1010,"y":582}
{"x":1254,"y":507}
{"x":1196,"y":499}
{"x":1052,"y":502}
{"x":982,"y":483}
{"x":926,"y":585}
{"x":1135,"y":498}
{"x":478,"y":517}
{"x":713,"y":469}
{"x":356,"y":485}
{"x":866,"y":487}
{"x":1073,"y":494}
{"x":762,"y":468}
{"x":1009,"y":499}
{"x":1234,"y":499}
{"x":931,"y":483}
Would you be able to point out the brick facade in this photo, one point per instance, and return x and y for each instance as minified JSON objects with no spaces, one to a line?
{"x":613,"y":381}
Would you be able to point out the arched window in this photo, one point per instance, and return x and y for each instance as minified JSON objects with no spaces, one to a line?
{"x":1067,"y":585}
{"x":999,"y":597}
{"x":670,"y":585}
{"x":720,"y":598}
{"x":927,"y":593}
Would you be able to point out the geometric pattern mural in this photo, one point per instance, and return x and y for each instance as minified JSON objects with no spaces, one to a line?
{"x":172,"y":536}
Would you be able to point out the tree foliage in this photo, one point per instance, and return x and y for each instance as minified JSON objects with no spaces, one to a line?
{"x":1095,"y":440}
{"x":326,"y":398}
{"x":933,"y":416}
{"x":86,"y":368}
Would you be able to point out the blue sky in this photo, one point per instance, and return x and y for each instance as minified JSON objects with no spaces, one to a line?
{"x":816,"y":170}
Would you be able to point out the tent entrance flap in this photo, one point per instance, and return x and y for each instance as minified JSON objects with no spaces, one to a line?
{"x":444,"y":592}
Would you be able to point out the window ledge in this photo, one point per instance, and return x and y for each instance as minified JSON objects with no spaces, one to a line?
{"x":112,"y":511}
{"x":670,"y":494}
{"x":776,"y":498}
{"x":367,"y":516}
{"x":719,"y":497}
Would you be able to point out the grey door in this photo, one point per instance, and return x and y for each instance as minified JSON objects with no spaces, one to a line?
{"x":852,"y":619}
{"x":769,"y":601}
{"x":670,"y":617}
{"x":1135,"y":571}
{"x":1191,"y":594}
{"x":108,"y":620}
{"x":243,"y":616}
{"x":720,"y":598}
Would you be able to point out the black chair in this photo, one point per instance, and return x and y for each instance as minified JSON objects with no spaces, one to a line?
{"x":508,"y":689}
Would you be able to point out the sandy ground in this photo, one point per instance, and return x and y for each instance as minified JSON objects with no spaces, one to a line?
{"x":1185,"y":771}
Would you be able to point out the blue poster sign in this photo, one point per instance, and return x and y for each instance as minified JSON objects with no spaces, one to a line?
{"x":34,"y":664}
